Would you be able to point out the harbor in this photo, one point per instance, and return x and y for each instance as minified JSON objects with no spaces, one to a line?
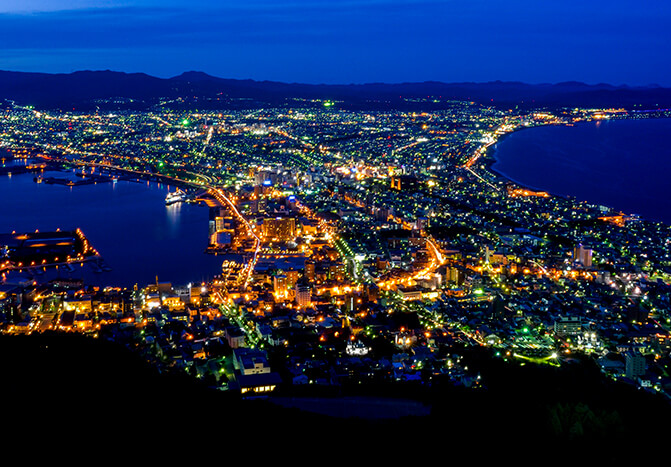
{"x":30,"y":256}
{"x":127,"y":221}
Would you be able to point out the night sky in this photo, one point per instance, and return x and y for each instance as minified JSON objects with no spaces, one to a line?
{"x":319,"y":41}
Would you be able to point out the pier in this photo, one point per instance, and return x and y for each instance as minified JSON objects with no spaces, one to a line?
{"x":35,"y":251}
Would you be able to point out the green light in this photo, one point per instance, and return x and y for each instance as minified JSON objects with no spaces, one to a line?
{"x":185,"y":122}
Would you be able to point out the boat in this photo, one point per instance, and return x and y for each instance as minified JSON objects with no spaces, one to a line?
{"x":175,"y":197}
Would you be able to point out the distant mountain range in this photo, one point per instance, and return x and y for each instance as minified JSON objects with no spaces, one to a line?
{"x":110,"y":89}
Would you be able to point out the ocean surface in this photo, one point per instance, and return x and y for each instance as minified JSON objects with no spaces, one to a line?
{"x":137,"y":235}
{"x":624,"y":164}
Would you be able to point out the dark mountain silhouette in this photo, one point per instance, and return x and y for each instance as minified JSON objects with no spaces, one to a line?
{"x":89,"y":89}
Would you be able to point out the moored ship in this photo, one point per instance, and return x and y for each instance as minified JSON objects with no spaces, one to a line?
{"x":175,"y":197}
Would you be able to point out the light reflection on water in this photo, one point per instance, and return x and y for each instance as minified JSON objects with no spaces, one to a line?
{"x":138,"y":236}
{"x":174,"y":212}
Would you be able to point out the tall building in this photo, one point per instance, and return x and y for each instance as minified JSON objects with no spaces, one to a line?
{"x":582,"y":255}
{"x":303,"y":295}
{"x":336,"y":271}
{"x":634,"y":364}
{"x":310,"y":270}
{"x":456,"y":276}
{"x":219,"y":223}
{"x":292,"y":277}
{"x":280,"y":287}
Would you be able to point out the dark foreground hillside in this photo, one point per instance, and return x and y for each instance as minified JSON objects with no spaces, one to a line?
{"x":72,"y":394}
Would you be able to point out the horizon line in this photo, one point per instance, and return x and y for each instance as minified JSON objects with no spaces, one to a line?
{"x":543,"y":83}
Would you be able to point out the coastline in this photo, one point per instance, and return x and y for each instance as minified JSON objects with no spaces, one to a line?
{"x":491,"y":158}
{"x":123,"y":220}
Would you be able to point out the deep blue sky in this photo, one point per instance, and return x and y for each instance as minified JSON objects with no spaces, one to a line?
{"x":347,"y":41}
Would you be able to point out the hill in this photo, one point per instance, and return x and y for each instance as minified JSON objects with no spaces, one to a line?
{"x":73,"y":390}
{"x":90,"y":89}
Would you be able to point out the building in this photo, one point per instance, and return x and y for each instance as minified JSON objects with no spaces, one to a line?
{"x":280,"y":287}
{"x":258,"y":385}
{"x":310,"y":270}
{"x":219,"y":223}
{"x":404,"y":183}
{"x":634,"y":364}
{"x":308,"y":226}
{"x":582,"y":255}
{"x":303,"y":295}
{"x":568,"y":326}
{"x":253,"y":373}
{"x":235,"y":337}
{"x":422,"y":223}
{"x":279,"y":228}
{"x":250,"y":361}
{"x":409,"y":293}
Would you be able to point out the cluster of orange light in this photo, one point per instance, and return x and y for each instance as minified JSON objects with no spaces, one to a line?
{"x":617,"y":220}
{"x":523,"y":192}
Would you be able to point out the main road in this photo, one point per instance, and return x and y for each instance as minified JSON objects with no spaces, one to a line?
{"x":220,"y":196}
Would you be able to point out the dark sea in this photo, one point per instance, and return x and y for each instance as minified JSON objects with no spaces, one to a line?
{"x":137,"y":235}
{"x":623,"y":164}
